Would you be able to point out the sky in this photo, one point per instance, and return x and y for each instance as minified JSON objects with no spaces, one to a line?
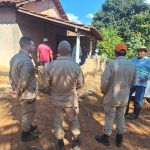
{"x":81,"y":11}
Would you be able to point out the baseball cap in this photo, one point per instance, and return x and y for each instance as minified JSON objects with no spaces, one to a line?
{"x":121,"y":47}
{"x":45,"y":39}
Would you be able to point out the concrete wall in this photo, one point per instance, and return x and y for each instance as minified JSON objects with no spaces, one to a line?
{"x":44,"y":7}
{"x":13,"y":25}
{"x":93,"y":65}
{"x":9,"y":36}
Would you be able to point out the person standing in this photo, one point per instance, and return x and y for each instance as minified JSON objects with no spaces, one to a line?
{"x":142,"y":63}
{"x":116,"y":81}
{"x":44,"y":57}
{"x":23,"y":83}
{"x":64,"y":77}
{"x":44,"y":53}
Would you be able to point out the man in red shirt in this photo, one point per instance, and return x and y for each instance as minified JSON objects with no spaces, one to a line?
{"x":44,"y":53}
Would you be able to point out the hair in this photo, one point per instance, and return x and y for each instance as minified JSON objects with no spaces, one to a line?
{"x":24,"y":41}
{"x":121,"y":53}
{"x":64,"y":48}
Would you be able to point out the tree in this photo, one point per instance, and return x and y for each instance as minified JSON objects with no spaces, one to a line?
{"x":129,"y":17}
{"x":134,"y":42}
{"x":111,"y":38}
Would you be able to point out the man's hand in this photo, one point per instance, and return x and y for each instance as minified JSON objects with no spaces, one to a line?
{"x":38,"y":60}
{"x":143,"y":79}
{"x":15,"y":95}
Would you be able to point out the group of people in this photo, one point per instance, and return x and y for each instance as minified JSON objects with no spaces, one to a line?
{"x":63,"y":77}
{"x":121,"y":78}
{"x":45,"y":53}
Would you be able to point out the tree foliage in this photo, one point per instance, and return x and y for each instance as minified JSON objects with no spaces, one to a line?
{"x":111,"y":38}
{"x":130,"y":18}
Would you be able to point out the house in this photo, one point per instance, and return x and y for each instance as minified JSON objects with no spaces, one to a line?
{"x":38,"y":19}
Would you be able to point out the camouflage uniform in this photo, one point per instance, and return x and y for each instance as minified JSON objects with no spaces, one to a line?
{"x":64,"y":76}
{"x":116,"y":81}
{"x":22,"y":77}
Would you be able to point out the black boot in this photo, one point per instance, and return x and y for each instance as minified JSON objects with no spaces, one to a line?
{"x":76,"y":142}
{"x":119,"y":139}
{"x":132,"y":116}
{"x":28,"y":136}
{"x":103,"y":139}
{"x":136,"y":113}
{"x":60,"y":144}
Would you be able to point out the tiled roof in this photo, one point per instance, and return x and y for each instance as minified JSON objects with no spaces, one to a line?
{"x":10,"y":1}
{"x":16,"y":3}
{"x":60,"y":8}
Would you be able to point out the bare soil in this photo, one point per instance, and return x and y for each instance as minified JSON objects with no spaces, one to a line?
{"x":136,"y":137}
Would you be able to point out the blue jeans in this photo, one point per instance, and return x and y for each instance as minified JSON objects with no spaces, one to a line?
{"x":139,"y":95}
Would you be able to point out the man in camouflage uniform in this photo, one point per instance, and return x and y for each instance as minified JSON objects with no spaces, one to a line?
{"x":65,"y":77}
{"x":117,"y":79}
{"x":23,"y":83}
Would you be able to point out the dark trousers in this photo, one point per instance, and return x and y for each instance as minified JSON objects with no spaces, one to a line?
{"x":138,"y":99}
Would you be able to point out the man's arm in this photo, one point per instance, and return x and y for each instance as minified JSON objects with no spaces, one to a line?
{"x":105,"y":78}
{"x":134,"y":77}
{"x":38,"y":56}
{"x":80,"y":80}
{"x":27,"y":71}
{"x":13,"y":85}
{"x":51,"y":56}
{"x":147,"y":77}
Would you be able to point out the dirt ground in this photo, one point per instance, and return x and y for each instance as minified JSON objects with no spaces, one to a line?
{"x":136,"y":137}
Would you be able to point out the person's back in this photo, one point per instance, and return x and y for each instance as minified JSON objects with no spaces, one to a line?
{"x":64,"y":75}
{"x":116,"y":81}
{"x":121,"y":79}
{"x":44,"y":51}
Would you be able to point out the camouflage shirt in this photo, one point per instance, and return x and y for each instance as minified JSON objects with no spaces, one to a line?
{"x":22,"y":75}
{"x":64,"y":76}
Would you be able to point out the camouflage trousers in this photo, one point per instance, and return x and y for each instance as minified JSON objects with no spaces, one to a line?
{"x":71,"y":114}
{"x":28,"y":112}
{"x":110,"y":114}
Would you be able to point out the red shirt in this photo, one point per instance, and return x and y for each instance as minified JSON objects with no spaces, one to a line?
{"x":44,"y":51}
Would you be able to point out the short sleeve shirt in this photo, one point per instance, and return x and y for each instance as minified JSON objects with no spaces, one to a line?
{"x":44,"y":51}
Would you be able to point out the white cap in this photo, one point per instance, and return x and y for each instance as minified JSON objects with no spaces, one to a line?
{"x":45,"y":39}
